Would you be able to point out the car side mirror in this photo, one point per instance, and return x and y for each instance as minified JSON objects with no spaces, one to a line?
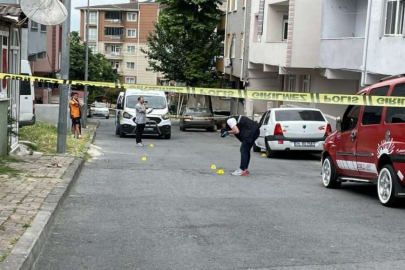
{"x":339,"y":124}
{"x":119,"y":106}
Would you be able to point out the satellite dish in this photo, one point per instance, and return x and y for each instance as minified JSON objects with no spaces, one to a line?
{"x":45,"y":12}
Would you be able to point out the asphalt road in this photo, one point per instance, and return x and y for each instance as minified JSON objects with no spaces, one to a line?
{"x":174,"y":212}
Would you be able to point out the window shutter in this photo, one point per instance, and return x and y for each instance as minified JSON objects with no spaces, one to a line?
{"x":261,"y":18}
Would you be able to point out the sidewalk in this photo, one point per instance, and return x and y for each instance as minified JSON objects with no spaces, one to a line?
{"x":22,"y":194}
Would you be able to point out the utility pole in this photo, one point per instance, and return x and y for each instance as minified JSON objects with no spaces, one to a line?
{"x":64,"y":90}
{"x":86,"y":73}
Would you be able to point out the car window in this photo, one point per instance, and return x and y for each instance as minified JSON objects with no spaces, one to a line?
{"x":266,"y":120}
{"x":396,"y":115}
{"x":155,"y":102}
{"x":100,"y":105}
{"x":262,"y":119}
{"x":25,"y":88}
{"x":350,"y":118}
{"x":198,"y":111}
{"x":372,"y":114}
{"x":299,"y":115}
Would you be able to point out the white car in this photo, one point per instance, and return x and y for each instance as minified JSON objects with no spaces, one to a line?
{"x":99,"y":108}
{"x":27,"y":97}
{"x":292,"y":129}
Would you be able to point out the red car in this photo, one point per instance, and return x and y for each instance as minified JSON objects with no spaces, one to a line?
{"x":369,"y":145}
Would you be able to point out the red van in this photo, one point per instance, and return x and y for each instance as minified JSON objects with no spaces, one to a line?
{"x":369,"y":145}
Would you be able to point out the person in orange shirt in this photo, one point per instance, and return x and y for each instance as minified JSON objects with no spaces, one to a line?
{"x":75,"y":107}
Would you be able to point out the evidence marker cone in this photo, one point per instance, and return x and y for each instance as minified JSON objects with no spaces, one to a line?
{"x":263,"y":155}
{"x":213,"y":167}
{"x":144,"y":159}
{"x":151,"y":145}
{"x":220,"y":171}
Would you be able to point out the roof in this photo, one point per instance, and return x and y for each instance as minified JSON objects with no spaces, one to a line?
{"x":11,"y":13}
{"x":127,"y":6}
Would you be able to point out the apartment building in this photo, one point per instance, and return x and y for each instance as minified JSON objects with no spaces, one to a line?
{"x":120,"y":32}
{"x":236,"y":52}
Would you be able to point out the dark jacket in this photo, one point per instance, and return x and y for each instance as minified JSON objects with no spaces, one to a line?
{"x":247,"y":128}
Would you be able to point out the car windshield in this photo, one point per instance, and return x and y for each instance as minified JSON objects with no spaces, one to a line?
{"x":100,"y":105}
{"x":195,"y":111}
{"x":154,"y":102}
{"x":299,"y":115}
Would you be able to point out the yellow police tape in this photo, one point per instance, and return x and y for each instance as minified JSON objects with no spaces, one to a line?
{"x":233,"y":93}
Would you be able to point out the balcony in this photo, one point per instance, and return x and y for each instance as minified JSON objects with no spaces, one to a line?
{"x":342,"y":53}
{"x":113,"y":55}
{"x":268,"y":53}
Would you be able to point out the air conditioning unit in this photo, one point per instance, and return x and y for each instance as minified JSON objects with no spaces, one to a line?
{"x":228,"y":62}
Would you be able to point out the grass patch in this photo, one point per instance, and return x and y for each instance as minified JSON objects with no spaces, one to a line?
{"x":5,"y":169}
{"x":26,"y":225}
{"x":15,"y":241}
{"x":3,"y":258}
{"x":45,"y":138}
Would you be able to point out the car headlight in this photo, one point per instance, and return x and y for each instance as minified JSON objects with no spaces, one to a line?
{"x":166,"y":116}
{"x":127,"y":115}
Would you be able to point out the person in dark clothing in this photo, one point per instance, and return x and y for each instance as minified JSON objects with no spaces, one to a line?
{"x":246,"y":131}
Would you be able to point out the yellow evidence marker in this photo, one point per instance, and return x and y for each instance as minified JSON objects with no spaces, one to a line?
{"x":151,"y":145}
{"x":143,"y":159}
{"x":213,"y":167}
{"x":220,"y":171}
{"x":263,"y":155}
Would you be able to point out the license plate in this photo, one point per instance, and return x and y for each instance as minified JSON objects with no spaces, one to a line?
{"x":304,"y":144}
{"x":149,"y":129}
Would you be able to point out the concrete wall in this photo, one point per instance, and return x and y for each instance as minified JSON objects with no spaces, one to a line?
{"x":48,"y":113}
{"x":344,"y":18}
{"x":306,"y":36}
{"x":334,"y":53}
{"x":386,"y":55}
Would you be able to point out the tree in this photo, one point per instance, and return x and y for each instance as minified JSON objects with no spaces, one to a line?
{"x":100,"y":69}
{"x":185,"y":42}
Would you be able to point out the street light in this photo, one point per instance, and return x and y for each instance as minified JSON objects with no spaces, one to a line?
{"x":86,"y":72}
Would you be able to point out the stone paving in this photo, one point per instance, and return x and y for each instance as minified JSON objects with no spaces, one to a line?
{"x":21,"y":196}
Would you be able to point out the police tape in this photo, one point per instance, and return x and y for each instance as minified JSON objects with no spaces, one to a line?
{"x":338,"y":99}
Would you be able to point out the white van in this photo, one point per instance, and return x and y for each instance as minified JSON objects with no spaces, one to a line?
{"x":27,"y":97}
{"x":157,"y":122}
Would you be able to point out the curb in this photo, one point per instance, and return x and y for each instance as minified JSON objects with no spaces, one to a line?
{"x":27,"y":250}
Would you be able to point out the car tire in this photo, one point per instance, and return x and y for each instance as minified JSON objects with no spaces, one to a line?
{"x":167,"y":136}
{"x":386,"y":186}
{"x":121,"y":133}
{"x":90,"y":115}
{"x":256,"y":148}
{"x":211,"y":129}
{"x":329,"y":174}
{"x":269,"y":153}
{"x":107,"y":117}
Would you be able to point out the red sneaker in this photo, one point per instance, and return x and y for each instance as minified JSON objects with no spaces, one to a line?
{"x":245,"y":173}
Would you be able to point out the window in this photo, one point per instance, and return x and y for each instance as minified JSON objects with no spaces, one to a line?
{"x":92,"y":33}
{"x":233,"y":46}
{"x":350,"y":118}
{"x":292,"y":83}
{"x":266,"y":120}
{"x":43,"y":28}
{"x":306,"y":84}
{"x":34,"y":26}
{"x":256,"y":36}
{"x":132,"y":17}
{"x":131,"y":33}
{"x":113,"y":16}
{"x":396,"y":115}
{"x":130,"y":80}
{"x":115,"y":65}
{"x":93,"y":48}
{"x":113,"y":49}
{"x":394,"y":18}
{"x":285,"y":28}
{"x":262,"y":119}
{"x":242,"y":45}
{"x":114,"y":31}
{"x":130,"y":49}
{"x":299,"y":115}
{"x":93,"y":17}
{"x":372,"y":114}
{"x":130,"y":65}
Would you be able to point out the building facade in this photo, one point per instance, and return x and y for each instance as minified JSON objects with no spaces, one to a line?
{"x":120,"y":32}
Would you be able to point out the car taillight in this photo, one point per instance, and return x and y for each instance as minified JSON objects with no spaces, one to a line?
{"x":278,"y":130}
{"x":328,"y":130}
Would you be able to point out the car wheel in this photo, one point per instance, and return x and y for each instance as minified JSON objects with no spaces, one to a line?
{"x":107,"y":117}
{"x":121,"y":133}
{"x":90,"y":115}
{"x":256,"y":148}
{"x":167,"y":136}
{"x":269,"y":153}
{"x":386,"y":186}
{"x":211,"y":129}
{"x":329,"y":174}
